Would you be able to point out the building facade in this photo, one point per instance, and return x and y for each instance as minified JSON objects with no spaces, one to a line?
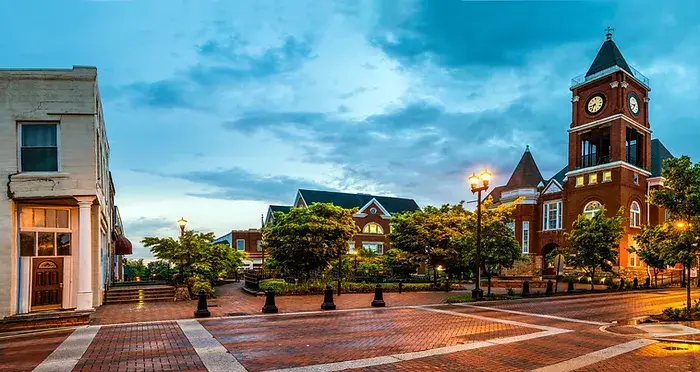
{"x":247,"y":241}
{"x":612,"y":162}
{"x":59,"y":248}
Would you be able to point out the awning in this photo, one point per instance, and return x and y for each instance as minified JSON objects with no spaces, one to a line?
{"x":122,"y":245}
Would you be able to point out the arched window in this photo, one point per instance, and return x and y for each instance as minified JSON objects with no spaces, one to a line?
{"x":635,"y":215}
{"x":592,"y":208}
{"x":373,"y":228}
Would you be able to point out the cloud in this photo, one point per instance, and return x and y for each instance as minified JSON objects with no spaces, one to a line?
{"x":139,"y":228}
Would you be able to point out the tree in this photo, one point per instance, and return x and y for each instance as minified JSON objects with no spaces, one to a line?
{"x":680,"y":196}
{"x":651,"y":241}
{"x":592,"y":242}
{"x":159,"y":269}
{"x":135,"y":269}
{"x":306,"y":240}
{"x":369,"y":263}
{"x":400,"y":263}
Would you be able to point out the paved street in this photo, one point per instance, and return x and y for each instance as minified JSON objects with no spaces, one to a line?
{"x":545,"y":334}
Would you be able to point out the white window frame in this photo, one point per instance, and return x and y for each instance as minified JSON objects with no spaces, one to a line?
{"x":378,"y":244}
{"x":511,"y":226}
{"x":351,"y":247}
{"x":546,"y":208}
{"x":633,"y":258}
{"x":526,"y":237}
{"x":59,"y":163}
{"x":54,"y":230}
{"x":609,"y":174}
{"x":581,"y":183}
{"x":592,"y":212}
{"x":240,"y":240}
{"x":635,"y":215}
{"x":593,"y":178}
{"x":367,"y":227}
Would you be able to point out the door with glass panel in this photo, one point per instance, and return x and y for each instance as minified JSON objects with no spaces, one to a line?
{"x":47,"y":283}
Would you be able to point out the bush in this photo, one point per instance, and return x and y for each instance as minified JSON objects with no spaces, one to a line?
{"x":510,"y":292}
{"x":468,"y":298}
{"x":196,"y":283}
{"x":319,"y":286}
{"x":672,"y":313}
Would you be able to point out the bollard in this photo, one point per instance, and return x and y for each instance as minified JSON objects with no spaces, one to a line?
{"x":328,"y":299}
{"x":698,"y":282}
{"x":570,"y":287}
{"x":526,"y":289}
{"x":550,"y":287}
{"x":647,"y":283}
{"x":378,"y":297}
{"x":401,"y":285}
{"x":622,"y":284}
{"x":202,"y":309}
{"x":270,"y":307}
{"x":635,"y":283}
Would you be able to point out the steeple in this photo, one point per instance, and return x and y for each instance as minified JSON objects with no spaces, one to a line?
{"x":608,"y":56}
{"x":526,"y":173}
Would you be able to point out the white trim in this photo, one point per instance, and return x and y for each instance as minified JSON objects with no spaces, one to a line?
{"x":296,"y":200}
{"x":375,"y":201}
{"x":525,"y":246}
{"x":549,"y":185}
{"x":534,"y":314}
{"x":596,"y":356}
{"x":559,"y":207}
{"x":59,"y":163}
{"x":614,"y":164}
{"x":609,"y":119}
{"x":656,"y":181}
{"x":68,"y":354}
{"x":213,"y":355}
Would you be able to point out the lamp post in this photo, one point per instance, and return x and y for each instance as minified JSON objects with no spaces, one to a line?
{"x":474,"y":180}
{"x":182,"y":223}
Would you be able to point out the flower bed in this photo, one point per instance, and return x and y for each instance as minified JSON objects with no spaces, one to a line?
{"x":318,"y":287}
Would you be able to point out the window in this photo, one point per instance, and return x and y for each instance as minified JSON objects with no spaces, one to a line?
{"x":526,"y":237}
{"x":373,"y":228}
{"x":635,"y":215}
{"x":38,"y":148}
{"x":593,"y":178}
{"x":511,"y":226}
{"x":667,"y":215}
{"x":375,"y":247}
{"x":258,"y":245}
{"x":579,"y":181}
{"x":635,"y":178}
{"x":633,"y":258}
{"x":552,"y":216}
{"x":595,"y":147}
{"x":607,"y":176}
{"x":351,"y":247}
{"x":240,"y":244}
{"x":592,"y":208}
{"x":633,"y":147}
{"x":45,"y":232}
{"x":373,"y":210}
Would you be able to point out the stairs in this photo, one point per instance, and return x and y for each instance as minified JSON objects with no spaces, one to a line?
{"x":140,"y":293}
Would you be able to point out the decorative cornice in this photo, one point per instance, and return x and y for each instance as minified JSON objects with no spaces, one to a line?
{"x":609,"y":119}
{"x":615,"y":84}
{"x":614,"y":164}
{"x":576,"y":98}
{"x":624,"y":84}
{"x":646,"y":99}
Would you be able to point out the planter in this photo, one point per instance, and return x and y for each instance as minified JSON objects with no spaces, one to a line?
{"x":182,"y":293}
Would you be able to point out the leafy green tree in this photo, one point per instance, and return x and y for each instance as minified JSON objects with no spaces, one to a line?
{"x":134,"y":269}
{"x":159,"y":269}
{"x":592,"y":242}
{"x":369,"y":263}
{"x":681,"y":197}
{"x":400,"y":264}
{"x":307,"y":240}
{"x":651,"y":241}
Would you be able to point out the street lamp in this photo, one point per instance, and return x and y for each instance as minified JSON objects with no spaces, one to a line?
{"x":474,"y":181}
{"x":182,"y":223}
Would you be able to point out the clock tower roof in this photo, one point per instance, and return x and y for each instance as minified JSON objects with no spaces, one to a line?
{"x":608,"y":56}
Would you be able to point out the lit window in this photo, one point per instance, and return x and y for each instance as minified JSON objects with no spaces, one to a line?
{"x":592,"y":208}
{"x":633,"y":258}
{"x":607,"y":176}
{"x":373,"y":228}
{"x":552,"y":216}
{"x":240,"y":244}
{"x":375,"y":247}
{"x":351,"y":247}
{"x":526,"y":237}
{"x":579,"y":181}
{"x":593,"y":178}
{"x":45,"y":232}
{"x":635,"y":215}
{"x":38,"y":148}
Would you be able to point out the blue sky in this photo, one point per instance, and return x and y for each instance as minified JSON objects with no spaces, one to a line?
{"x":216,"y":109}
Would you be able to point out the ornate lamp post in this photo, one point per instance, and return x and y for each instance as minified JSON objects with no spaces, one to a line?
{"x":182,"y":223}
{"x":474,"y":181}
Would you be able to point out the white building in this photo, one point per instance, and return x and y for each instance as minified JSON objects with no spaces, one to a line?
{"x":59,"y":227}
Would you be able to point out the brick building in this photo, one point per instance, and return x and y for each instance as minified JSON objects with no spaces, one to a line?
{"x":612,"y":161}
{"x":60,"y":233}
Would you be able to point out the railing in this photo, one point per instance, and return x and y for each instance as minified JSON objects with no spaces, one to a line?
{"x":582,"y":79}
{"x":591,"y":160}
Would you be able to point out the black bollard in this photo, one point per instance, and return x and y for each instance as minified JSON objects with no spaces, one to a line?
{"x":401,"y":285}
{"x":622,"y":284}
{"x":635,"y":283}
{"x":698,"y":282}
{"x":570,"y":286}
{"x":378,"y":297}
{"x":550,"y":287}
{"x":328,"y":299}
{"x":647,"y":283}
{"x":202,"y":309}
{"x":526,"y":289}
{"x":270,"y":307}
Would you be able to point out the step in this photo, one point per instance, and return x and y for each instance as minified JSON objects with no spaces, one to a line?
{"x":150,"y":299}
{"x":43,"y":320}
{"x":141,"y":291}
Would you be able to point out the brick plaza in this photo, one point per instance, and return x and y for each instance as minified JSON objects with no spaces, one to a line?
{"x":551,"y":334}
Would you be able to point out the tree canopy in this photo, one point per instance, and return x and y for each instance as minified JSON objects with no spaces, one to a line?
{"x":651,"y":241}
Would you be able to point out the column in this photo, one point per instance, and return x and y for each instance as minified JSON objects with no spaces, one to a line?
{"x":85,"y":253}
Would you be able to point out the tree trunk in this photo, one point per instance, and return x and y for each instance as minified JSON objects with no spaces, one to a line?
{"x":593,"y":279}
{"x":688,"y":284}
{"x":656,"y":278}
{"x":435,"y":275}
{"x":488,"y":293}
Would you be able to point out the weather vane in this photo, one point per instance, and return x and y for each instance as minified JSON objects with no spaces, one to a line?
{"x":608,"y":33}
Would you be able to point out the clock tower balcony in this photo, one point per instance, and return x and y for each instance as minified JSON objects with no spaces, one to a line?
{"x":636,"y":75}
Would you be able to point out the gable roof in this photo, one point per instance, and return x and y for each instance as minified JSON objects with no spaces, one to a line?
{"x":280,"y":208}
{"x":526,"y":173}
{"x":608,"y":56}
{"x":559,"y":177}
{"x":659,"y":153}
{"x":495,"y":194}
{"x":349,"y":200}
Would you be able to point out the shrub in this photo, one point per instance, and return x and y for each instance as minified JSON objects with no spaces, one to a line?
{"x":197,"y":283}
{"x":672,"y":313}
{"x":319,"y":286}
{"x":510,"y":292}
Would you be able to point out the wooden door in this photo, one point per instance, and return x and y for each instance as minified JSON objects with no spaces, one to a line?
{"x":47,"y":283}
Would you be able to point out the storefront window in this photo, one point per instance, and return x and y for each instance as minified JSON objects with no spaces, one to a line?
{"x":45,"y":232}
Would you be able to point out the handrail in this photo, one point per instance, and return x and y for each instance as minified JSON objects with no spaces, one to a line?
{"x":582,"y":79}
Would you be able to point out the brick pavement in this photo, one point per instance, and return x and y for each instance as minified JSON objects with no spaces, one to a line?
{"x":24,"y":353}
{"x":658,"y":357}
{"x":146,"y":347}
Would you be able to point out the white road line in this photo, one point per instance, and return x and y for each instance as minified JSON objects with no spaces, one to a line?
{"x":595,"y":357}
{"x":535,"y":315}
{"x":214,"y":355}
{"x":389,"y":359}
{"x":67,"y":355}
{"x":496,"y":320}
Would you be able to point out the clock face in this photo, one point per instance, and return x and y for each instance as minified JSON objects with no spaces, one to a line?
{"x":595,"y":104}
{"x":633,"y":103}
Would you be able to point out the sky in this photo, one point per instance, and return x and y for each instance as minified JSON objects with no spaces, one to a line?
{"x":217,"y":109}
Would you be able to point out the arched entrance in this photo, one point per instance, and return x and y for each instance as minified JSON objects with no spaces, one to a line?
{"x":549,"y":267}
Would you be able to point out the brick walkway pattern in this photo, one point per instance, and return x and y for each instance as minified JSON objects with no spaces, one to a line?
{"x":24,"y":353}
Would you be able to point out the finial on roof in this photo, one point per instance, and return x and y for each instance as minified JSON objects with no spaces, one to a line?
{"x":608,"y":33}
{"x":527,"y":148}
